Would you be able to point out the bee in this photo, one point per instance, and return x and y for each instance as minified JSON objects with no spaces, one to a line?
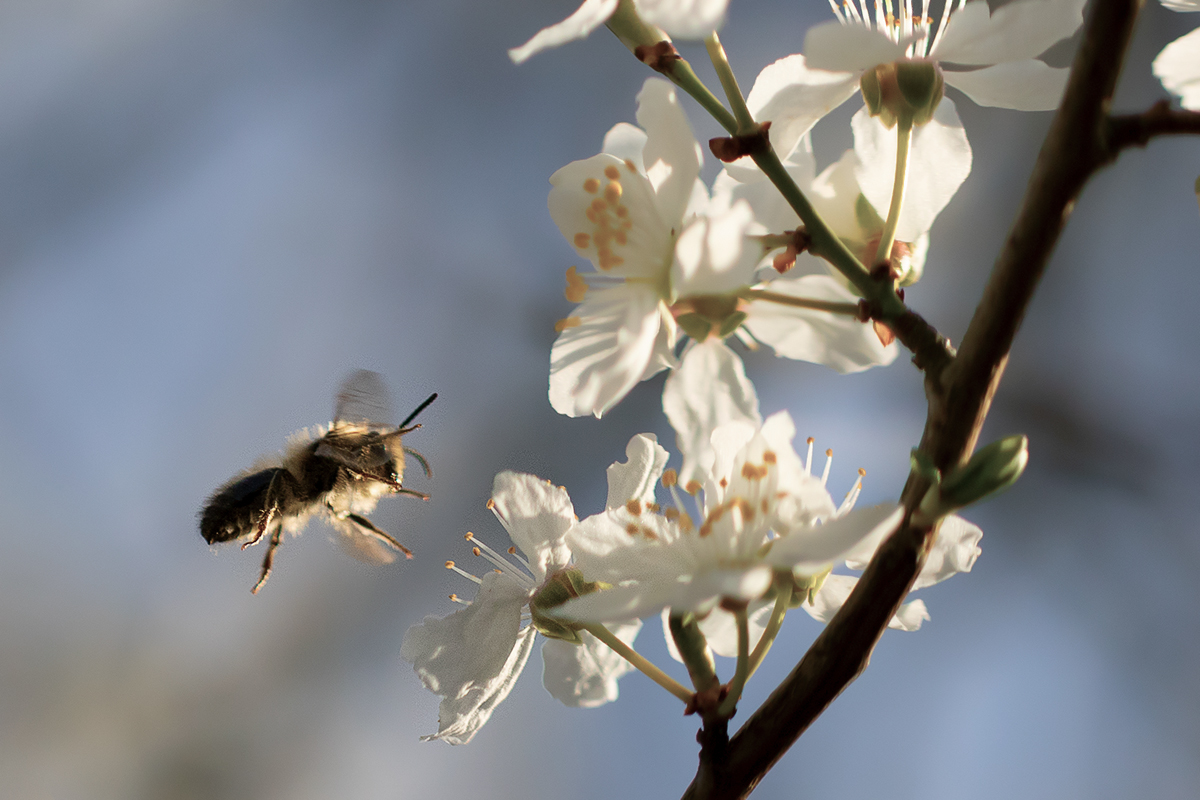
{"x":338,"y":473}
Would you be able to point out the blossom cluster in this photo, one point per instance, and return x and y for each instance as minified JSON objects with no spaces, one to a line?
{"x":682,"y":275}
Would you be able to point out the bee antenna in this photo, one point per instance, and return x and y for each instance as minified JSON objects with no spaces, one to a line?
{"x":418,"y":410}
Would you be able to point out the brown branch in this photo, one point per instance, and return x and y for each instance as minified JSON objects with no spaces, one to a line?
{"x":1075,"y":147}
{"x":1136,"y":130}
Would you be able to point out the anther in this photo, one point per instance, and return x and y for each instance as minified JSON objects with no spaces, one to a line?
{"x":591,"y":186}
{"x":769,"y":457}
{"x":669,"y":478}
{"x":634,"y":507}
{"x":612,"y":173}
{"x":476,"y":551}
{"x":693,"y":487}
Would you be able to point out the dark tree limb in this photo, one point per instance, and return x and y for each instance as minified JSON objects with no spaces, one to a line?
{"x":1079,"y":142}
{"x":1136,"y":130}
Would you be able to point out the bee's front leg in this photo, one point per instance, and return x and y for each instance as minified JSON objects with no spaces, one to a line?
{"x":269,"y":557}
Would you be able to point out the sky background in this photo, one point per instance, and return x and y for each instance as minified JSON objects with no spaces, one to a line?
{"x":211,"y":212}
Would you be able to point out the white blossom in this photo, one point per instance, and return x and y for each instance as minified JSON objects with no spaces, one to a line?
{"x":473,"y":657}
{"x":1178,"y":65}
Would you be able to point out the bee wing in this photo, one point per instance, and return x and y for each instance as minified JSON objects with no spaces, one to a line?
{"x":363,"y":399}
{"x":358,"y":537}
{"x":357,"y":446}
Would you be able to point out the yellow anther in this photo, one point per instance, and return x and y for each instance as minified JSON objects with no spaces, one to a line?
{"x":612,"y":193}
{"x":475,"y":551}
{"x":449,"y":565}
{"x":693,"y":487}
{"x":631,"y":529}
{"x":751,"y":472}
{"x":576,"y":286}
{"x":567,"y":322}
{"x":512,"y":550}
{"x":671,"y":514}
{"x":652,"y":507}
{"x":862,"y":472}
{"x":582,"y":240}
{"x":634,"y":507}
{"x":591,"y":186}
{"x":769,"y":457}
{"x":490,"y":504}
{"x":810,"y":440}
{"x":669,"y":478}
{"x":454,"y":597}
{"x":829,"y":453}
{"x":612,"y":173}
{"x":468,"y":535}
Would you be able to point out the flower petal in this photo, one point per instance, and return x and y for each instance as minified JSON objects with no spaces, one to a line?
{"x":708,"y":389}
{"x":715,"y":255}
{"x":536,"y":515}
{"x":636,"y":477}
{"x":594,"y":363}
{"x":672,"y":156}
{"x":832,"y":596}
{"x":684,"y":19}
{"x":609,"y":213}
{"x":939,"y":160}
{"x":835,"y":340}
{"x":1182,"y":5}
{"x":1178,"y":67}
{"x":809,"y":552}
{"x":471,"y":658}
{"x":792,"y":96}
{"x":618,"y":604}
{"x":585,"y":675}
{"x":838,"y":47}
{"x":1014,"y":32}
{"x":1028,"y":85}
{"x":591,"y":15}
{"x":954,"y":551}
{"x":720,"y":629}
{"x":625,"y":142}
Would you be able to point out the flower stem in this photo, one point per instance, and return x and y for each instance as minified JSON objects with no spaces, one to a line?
{"x":903,"y":139}
{"x":850,"y":309}
{"x":743,"y":665}
{"x":693,"y":649}
{"x":683,"y":76}
{"x":772,"y":630}
{"x":720,"y":62}
{"x":638,"y":660}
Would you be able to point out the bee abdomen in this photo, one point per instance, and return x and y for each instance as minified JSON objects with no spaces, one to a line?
{"x":239,"y":508}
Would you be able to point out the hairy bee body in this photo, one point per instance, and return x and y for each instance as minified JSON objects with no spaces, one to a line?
{"x":338,"y":473}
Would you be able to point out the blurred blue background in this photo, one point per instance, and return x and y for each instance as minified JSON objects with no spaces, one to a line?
{"x":210,"y":212}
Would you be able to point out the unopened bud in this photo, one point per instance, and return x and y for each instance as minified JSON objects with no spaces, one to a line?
{"x":992,"y":469}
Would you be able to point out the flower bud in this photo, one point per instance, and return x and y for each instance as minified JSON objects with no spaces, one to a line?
{"x":992,"y":469}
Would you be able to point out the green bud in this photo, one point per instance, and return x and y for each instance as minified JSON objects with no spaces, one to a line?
{"x":992,"y":469}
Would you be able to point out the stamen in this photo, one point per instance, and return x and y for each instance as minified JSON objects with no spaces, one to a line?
{"x":669,"y":478}
{"x":852,"y":495}
{"x":837,"y":12}
{"x":634,"y":507}
{"x":504,"y":565}
{"x":452,"y":566}
{"x":456,"y":599}
{"x":828,"y":465}
{"x":693,"y":487}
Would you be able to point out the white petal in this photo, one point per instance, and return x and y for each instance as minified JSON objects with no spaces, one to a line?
{"x":832,"y":596}
{"x":672,"y":156}
{"x":708,"y":389}
{"x":810,"y":552}
{"x":585,"y":675}
{"x":536,"y":515}
{"x":720,"y":627}
{"x":716,"y":255}
{"x":939,"y":160}
{"x":617,"y":225}
{"x":1182,"y":5}
{"x":591,"y":15}
{"x":618,"y":604}
{"x":835,"y":193}
{"x":954,"y":551}
{"x":684,"y":19}
{"x":850,"y":48}
{"x":1014,"y":32}
{"x":636,"y":477}
{"x":594,"y":364}
{"x":835,"y":340}
{"x":604,"y":549}
{"x":747,"y":182}
{"x":1178,"y":67}
{"x":471,"y":658}
{"x":1028,"y":85}
{"x":792,"y":97}
{"x":626,"y":142}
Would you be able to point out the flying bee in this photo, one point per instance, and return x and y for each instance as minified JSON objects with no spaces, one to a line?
{"x":338,"y":473}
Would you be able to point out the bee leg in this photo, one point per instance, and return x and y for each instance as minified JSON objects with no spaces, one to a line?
{"x":412,"y":493}
{"x":421,"y":460}
{"x":379,"y":533}
{"x":269,"y":558}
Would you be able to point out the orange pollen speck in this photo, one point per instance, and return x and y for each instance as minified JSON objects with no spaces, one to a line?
{"x":612,"y":193}
{"x":512,"y":551}
{"x":669,"y":478}
{"x":568,"y":322}
{"x":612,"y":173}
{"x":769,"y":457}
{"x":723,"y":483}
{"x":591,"y":186}
{"x":629,"y":165}
{"x":576,"y":286}
{"x":468,"y":535}
{"x":583,"y":241}
{"x":829,"y":452}
{"x":765,"y":506}
{"x":652,"y":507}
{"x":671,"y":514}
{"x":498,"y":572}
{"x":634,"y":507}
{"x":705,"y":529}
{"x":810,"y":440}
{"x":449,"y":565}
{"x":475,"y":551}
{"x":631,"y":529}
{"x":692,"y":487}
{"x":861,"y":472}
{"x":751,"y":472}
{"x":491,"y":503}
{"x":453,"y":597}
